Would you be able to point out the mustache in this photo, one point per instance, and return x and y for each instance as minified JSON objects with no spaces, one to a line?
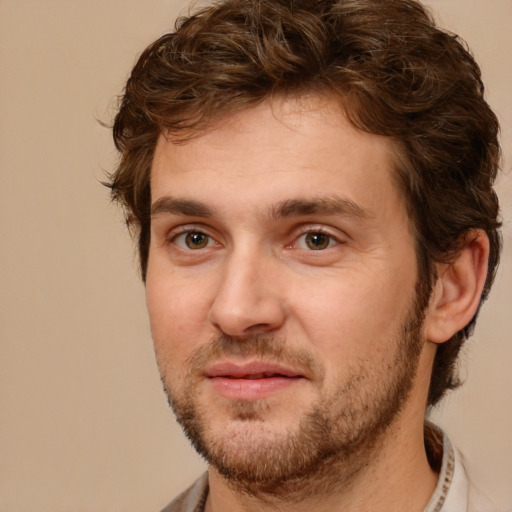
{"x":262,"y":347}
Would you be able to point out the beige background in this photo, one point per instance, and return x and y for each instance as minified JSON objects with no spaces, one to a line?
{"x":84,"y":425}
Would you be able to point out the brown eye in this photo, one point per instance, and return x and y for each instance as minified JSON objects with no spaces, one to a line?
{"x":196,"y":240}
{"x":317,"y":241}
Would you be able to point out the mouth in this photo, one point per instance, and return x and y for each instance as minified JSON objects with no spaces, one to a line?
{"x":252,"y":381}
{"x":256,"y":376}
{"x":251,"y":371}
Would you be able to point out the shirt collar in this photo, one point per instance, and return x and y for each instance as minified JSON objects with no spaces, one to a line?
{"x":440,"y":450}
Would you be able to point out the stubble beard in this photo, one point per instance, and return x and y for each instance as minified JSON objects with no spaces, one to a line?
{"x":333,"y":441}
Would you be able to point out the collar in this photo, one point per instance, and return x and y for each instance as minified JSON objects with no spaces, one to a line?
{"x":454,"y":491}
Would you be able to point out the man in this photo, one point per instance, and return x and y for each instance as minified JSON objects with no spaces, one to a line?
{"x":311,"y":186}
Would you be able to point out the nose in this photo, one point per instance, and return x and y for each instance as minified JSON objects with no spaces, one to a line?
{"x":248,"y":299}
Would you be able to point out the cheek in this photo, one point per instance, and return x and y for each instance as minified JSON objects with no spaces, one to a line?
{"x":350,"y":322}
{"x":177,"y":316}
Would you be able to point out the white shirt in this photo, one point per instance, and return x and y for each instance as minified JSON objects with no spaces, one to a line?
{"x":454,"y":491}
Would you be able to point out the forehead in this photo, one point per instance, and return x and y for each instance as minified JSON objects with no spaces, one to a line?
{"x":274,"y":152}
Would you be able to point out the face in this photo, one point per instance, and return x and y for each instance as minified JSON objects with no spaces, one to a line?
{"x":281,"y":289}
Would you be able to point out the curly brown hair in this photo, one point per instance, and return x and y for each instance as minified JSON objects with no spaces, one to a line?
{"x":396,"y":73}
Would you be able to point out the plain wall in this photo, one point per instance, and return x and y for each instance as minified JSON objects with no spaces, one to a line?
{"x":84,"y":425}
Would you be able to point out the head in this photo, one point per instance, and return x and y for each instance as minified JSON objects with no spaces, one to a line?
{"x":395,"y":73}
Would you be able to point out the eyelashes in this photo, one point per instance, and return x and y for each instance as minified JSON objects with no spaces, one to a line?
{"x":316,"y":241}
{"x":196,"y":240}
{"x":193,"y":240}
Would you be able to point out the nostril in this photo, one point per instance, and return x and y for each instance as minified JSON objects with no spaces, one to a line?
{"x":257,"y":327}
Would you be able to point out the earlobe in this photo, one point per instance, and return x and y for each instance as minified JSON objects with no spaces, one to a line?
{"x":457,"y":291}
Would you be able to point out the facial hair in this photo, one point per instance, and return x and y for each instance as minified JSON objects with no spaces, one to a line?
{"x":331,"y":442}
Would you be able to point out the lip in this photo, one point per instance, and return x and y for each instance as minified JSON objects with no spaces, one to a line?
{"x":251,"y":381}
{"x":238,"y":371}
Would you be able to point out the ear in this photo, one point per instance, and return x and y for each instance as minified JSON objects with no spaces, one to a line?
{"x":457,"y":291}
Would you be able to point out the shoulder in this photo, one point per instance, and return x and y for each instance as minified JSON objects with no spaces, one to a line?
{"x":455,"y":492}
{"x":465,"y":491}
{"x":192,"y":499}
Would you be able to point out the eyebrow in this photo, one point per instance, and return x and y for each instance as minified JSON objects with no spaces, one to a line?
{"x":173,"y":205}
{"x":331,"y":205}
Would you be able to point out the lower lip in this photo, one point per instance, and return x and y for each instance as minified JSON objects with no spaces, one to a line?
{"x":252,"y":389}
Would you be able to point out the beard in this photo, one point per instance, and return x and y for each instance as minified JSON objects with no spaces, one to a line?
{"x":331,"y":442}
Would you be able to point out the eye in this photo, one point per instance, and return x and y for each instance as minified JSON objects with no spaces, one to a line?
{"x":316,"y":241}
{"x":193,"y":240}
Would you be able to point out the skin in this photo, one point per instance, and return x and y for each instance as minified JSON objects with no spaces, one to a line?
{"x":282,"y":226}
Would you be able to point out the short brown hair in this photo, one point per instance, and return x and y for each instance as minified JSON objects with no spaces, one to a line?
{"x":396,"y":73}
